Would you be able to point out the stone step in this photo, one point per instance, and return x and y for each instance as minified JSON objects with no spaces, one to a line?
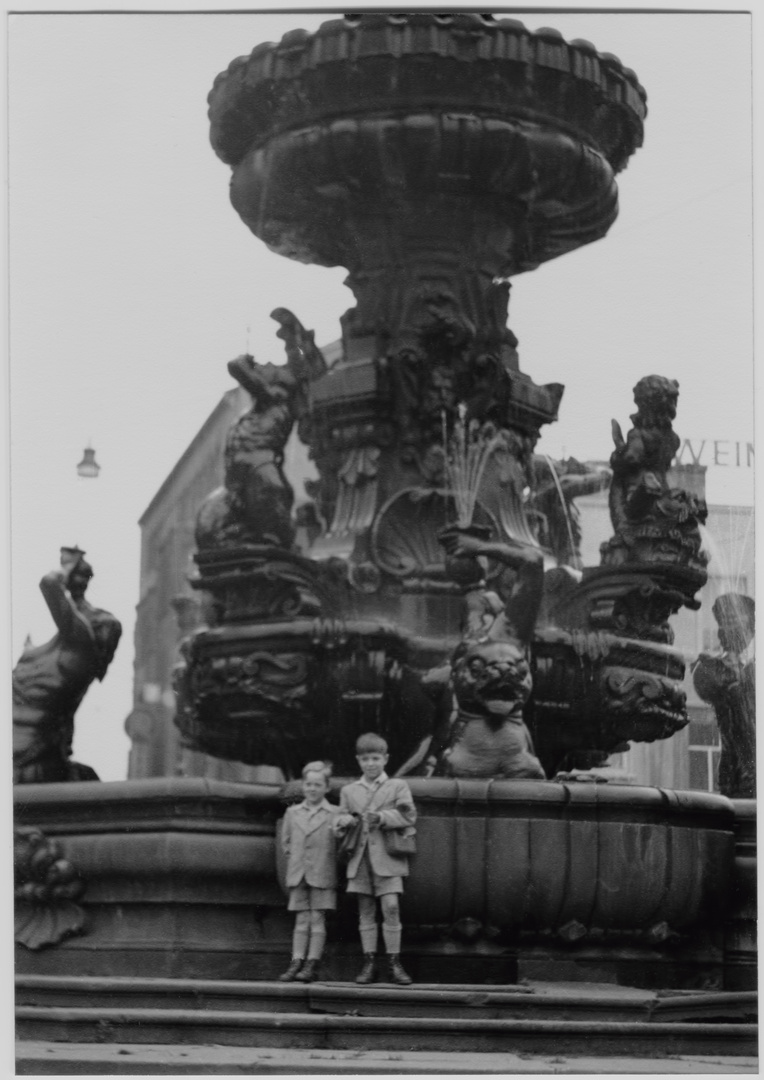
{"x":294,"y":1030}
{"x":560,"y":1001}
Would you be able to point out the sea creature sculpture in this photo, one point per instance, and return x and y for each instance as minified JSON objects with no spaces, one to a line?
{"x":489,"y":674}
{"x":255,"y":504}
{"x":50,"y":680}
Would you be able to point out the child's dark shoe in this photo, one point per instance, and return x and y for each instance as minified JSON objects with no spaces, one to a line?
{"x":308,"y":972}
{"x":291,"y":972}
{"x":397,"y":974}
{"x":367,"y":973}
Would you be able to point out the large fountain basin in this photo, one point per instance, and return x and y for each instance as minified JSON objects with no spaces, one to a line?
{"x":534,"y":855}
{"x":181,"y":880}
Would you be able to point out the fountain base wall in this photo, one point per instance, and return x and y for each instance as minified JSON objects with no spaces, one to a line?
{"x":182,"y":881}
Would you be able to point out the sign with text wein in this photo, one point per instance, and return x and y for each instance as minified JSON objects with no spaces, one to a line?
{"x":728,"y":453}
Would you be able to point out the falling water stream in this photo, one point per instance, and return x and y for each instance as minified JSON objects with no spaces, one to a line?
{"x":564,"y":505}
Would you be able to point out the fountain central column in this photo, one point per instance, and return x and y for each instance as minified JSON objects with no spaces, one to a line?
{"x":434,"y":156}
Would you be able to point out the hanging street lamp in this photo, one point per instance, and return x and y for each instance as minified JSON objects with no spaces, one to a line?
{"x":89,"y":467}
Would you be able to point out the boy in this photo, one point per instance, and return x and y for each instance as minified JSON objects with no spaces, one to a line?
{"x":308,"y":843}
{"x":382,"y":804}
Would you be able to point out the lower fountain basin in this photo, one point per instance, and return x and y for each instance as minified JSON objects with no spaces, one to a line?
{"x":635,"y":884}
{"x":576,"y":858}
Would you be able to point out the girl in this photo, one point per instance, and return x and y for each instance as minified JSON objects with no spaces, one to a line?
{"x":308,"y":843}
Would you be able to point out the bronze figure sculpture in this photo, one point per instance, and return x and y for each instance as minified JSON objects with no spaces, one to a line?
{"x":557,"y":486}
{"x":50,"y":680}
{"x":653,"y":522}
{"x":490,"y":675}
{"x":255,"y":504}
{"x":727,"y":680}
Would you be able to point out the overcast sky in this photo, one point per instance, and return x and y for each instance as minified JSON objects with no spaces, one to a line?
{"x":133,"y":281}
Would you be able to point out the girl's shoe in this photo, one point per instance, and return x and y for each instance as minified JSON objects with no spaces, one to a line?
{"x":291,"y":972}
{"x":309,"y":971}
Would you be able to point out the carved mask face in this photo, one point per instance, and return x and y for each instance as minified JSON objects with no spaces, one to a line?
{"x":492,"y":677}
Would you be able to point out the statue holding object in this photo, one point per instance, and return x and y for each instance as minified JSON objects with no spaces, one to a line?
{"x":727,"y":681}
{"x":50,"y":681}
{"x":553,"y":502}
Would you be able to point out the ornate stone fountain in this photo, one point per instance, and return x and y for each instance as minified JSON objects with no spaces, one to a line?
{"x":434,"y":156}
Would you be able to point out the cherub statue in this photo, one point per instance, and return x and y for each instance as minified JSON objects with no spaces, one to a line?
{"x":641,"y":460}
{"x":255,"y":504}
{"x":50,"y":680}
{"x":727,"y":680}
{"x":652,"y":521}
{"x":489,"y":674}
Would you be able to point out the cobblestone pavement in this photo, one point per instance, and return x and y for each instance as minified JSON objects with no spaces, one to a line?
{"x":52,"y":1058}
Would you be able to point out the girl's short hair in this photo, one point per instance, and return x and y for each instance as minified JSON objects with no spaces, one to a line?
{"x":370,"y":743}
{"x":323,"y":767}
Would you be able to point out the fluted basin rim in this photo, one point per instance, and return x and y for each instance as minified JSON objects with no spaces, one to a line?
{"x":252,"y":84}
{"x":573,"y":794}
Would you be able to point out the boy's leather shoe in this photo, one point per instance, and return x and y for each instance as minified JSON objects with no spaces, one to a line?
{"x":367,"y":972}
{"x":291,"y":972}
{"x":308,"y":971}
{"x":397,"y":974}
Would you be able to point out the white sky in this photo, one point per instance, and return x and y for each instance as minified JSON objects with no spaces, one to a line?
{"x":133,"y":281}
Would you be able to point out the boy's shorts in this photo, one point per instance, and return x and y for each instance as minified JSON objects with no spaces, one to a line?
{"x":371,"y":884}
{"x":304,"y":897}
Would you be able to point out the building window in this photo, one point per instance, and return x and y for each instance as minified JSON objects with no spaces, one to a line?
{"x":704,"y":750}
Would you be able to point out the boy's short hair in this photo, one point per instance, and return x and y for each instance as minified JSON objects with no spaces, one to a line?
{"x":370,"y":743}
{"x":323,"y":767}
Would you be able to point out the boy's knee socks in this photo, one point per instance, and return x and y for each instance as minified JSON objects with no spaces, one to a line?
{"x":367,"y":922}
{"x":368,"y":932}
{"x":391,"y":935}
{"x":317,"y":935}
{"x":301,"y":935}
{"x":317,"y":942}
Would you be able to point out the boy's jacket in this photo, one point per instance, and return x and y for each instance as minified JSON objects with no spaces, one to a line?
{"x":393,"y":802}
{"x":309,"y":844}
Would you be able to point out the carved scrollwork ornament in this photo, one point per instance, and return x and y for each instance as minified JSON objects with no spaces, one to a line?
{"x":45,"y":887}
